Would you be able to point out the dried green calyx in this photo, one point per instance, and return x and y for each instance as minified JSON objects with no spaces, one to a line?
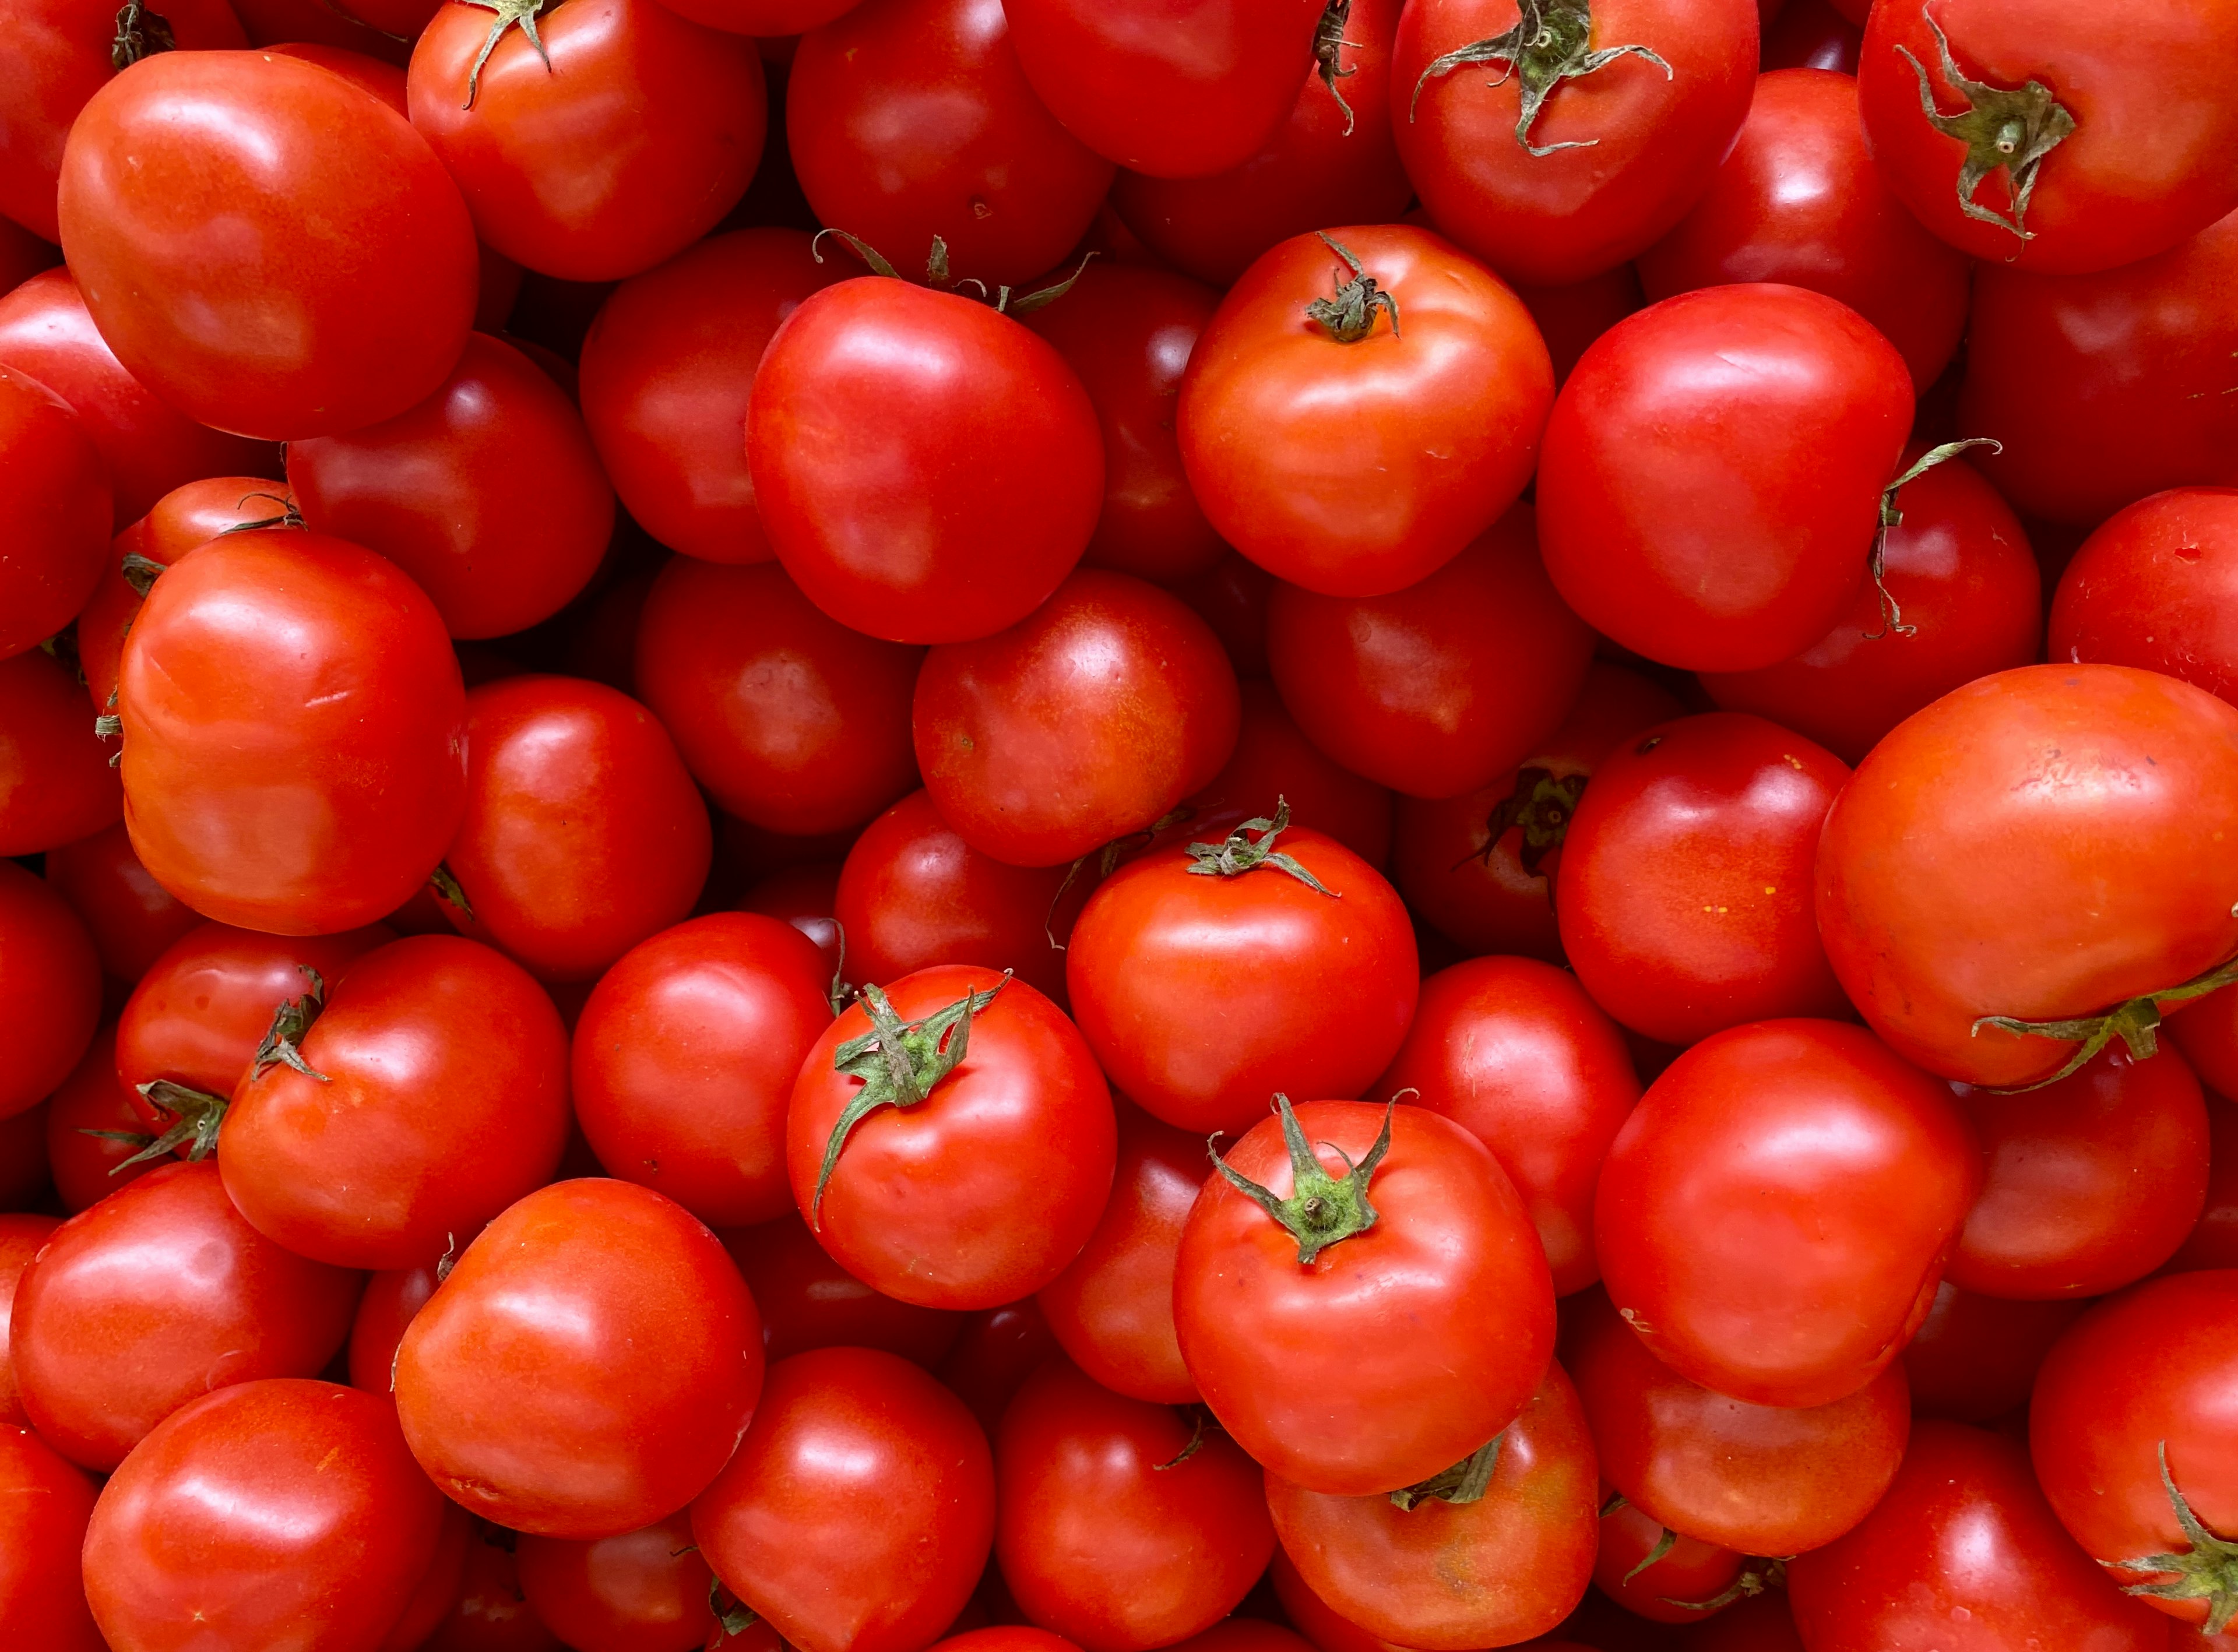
{"x":140,"y":33}
{"x":1466,"y":1482}
{"x":1240,"y":852}
{"x":289,"y":516}
{"x":1004,"y":300}
{"x":197,"y":1117}
{"x":444,"y":884}
{"x":1552,"y":41}
{"x":1542,"y":804}
{"x":1328,"y":42}
{"x":1323,"y":1210}
{"x":1892,"y":616}
{"x":292,"y":1018}
{"x":2208,"y":1571}
{"x":2137,"y":1023}
{"x":1348,"y":315}
{"x":2007,"y":129}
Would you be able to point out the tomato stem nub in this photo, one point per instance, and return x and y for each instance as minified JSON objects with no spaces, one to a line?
{"x":1350,"y":315}
{"x":1321,"y":1210}
{"x":1466,"y":1482}
{"x":197,"y":1118}
{"x":2209,"y":1572}
{"x":289,"y":516}
{"x":510,"y":13}
{"x":291,"y":1020}
{"x":1542,"y":805}
{"x":1239,"y":852}
{"x":2007,"y":129}
{"x":1753,"y":1581}
{"x":1892,"y":616}
{"x":1328,"y":40}
{"x":733,"y":1614}
{"x":140,"y":33}
{"x":2137,"y":1023}
{"x":444,"y":883}
{"x":1552,"y":41}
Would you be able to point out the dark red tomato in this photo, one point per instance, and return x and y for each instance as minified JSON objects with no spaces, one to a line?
{"x":588,"y":1364}
{"x":1798,"y":199}
{"x":1573,"y":315}
{"x":55,"y":784}
{"x":859,"y":1509}
{"x":1179,"y":90}
{"x":392,"y":1300}
{"x":44,"y":1505}
{"x":1514,"y":1051}
{"x":56,"y":515}
{"x":270,"y":23}
{"x":615,"y":139}
{"x":1019,"y":1637}
{"x":1340,"y":1342}
{"x":1334,"y":161}
{"x":133,"y":919}
{"x":448,"y":492}
{"x":2154,"y":587}
{"x":1684,"y":896}
{"x":90,"y":1127}
{"x":265,"y":1512}
{"x":1364,"y":403}
{"x":1963,"y":1555}
{"x":1810,"y":33}
{"x":1714,"y":473}
{"x":2207,"y":1033}
{"x":1630,"y":105}
{"x":294,"y":733}
{"x":431,"y":1597}
{"x":1480,"y":866}
{"x":1274,"y":758}
{"x":1974,"y":1357}
{"x":1962,"y":873}
{"x":50,"y":990}
{"x":2025,"y":137}
{"x":666,"y":370}
{"x":2105,"y":389}
{"x":972,"y":1178}
{"x":1435,"y":689}
{"x":1774,"y":1217}
{"x":908,"y":121}
{"x":927,"y":470}
{"x":642,"y":1591}
{"x":804,"y":896}
{"x":1763,"y":1622}
{"x":999,"y":1349}
{"x":21,"y":1237}
{"x":1655,"y":1573}
{"x":22,"y":255}
{"x":267,"y":249}
{"x":2213,"y":1241}
{"x":490,"y":1613}
{"x":807,"y":1300}
{"x":1112,"y":1308}
{"x":1760,"y":1479}
{"x":1085,"y":722}
{"x":23,"y":1156}
{"x":685,"y":1056}
{"x":1239,"y":1633}
{"x":384,"y":80}
{"x":1232,"y":599}
{"x":769,"y":21}
{"x":1450,"y":1572}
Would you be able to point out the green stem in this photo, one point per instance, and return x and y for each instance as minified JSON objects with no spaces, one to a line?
{"x":1323,"y":1210}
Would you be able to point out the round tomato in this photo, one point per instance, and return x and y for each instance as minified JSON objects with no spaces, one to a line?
{"x":21,"y":1237}
{"x":2213,"y":1241}
{"x":2154,"y":587}
{"x":1572,"y":315}
{"x":392,"y":1300}
{"x":999,"y":1349}
{"x":1274,"y":758}
{"x":644,"y":1591}
{"x":55,"y":784}
{"x":807,"y":1300}
{"x":804,"y":896}
{"x":133,"y":919}
{"x":44,"y":1505}
{"x":94,"y":1134}
{"x":1974,"y":1357}
{"x":1660,"y":1574}
{"x":55,"y":513}
{"x":1232,"y":598}
{"x":490,"y":1613}
{"x":50,"y":990}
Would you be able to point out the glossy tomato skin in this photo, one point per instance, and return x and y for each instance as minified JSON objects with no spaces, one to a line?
{"x":641,"y":1591}
{"x":859,"y":1509}
{"x":1274,"y":758}
{"x":2150,"y":588}
{"x":807,"y":1300}
{"x":21,"y":1236}
{"x":1446,"y":1576}
{"x":343,"y":289}
{"x":1420,"y":1385}
{"x":491,"y":1614}
{"x":1641,"y":1570}
{"x":1798,"y":199}
{"x":133,"y":919}
{"x":45,"y":1502}
{"x":684,"y":1059}
{"x":55,"y":784}
{"x":803,"y":894}
{"x":1811,"y":34}
{"x":640,"y":134}
{"x":1356,"y":469}
{"x":1822,"y":1183}
{"x":1954,"y":868}
{"x":58,"y":510}
{"x":50,"y":990}
{"x":1677,"y":513}
{"x":392,"y":1300}
{"x":999,"y":1349}
{"x":85,"y":1168}
{"x":1655,"y":138}
{"x":1974,"y":1357}
{"x":2213,"y":1241}
{"x":1202,"y":996}
{"x":1319,"y":1621}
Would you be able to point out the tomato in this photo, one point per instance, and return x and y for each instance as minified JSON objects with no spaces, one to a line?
{"x":1572,"y":315}
{"x":392,"y":1300}
{"x":1762,"y":1623}
{"x":587,"y":1366}
{"x":999,"y":1349}
{"x":807,"y":1300}
{"x":1655,"y":1573}
{"x":341,"y":288}
{"x":684,"y":1059}
{"x":21,"y":1238}
{"x":612,"y":139}
{"x":770,"y":20}
{"x":1188,"y":88}
{"x":983,"y":1195}
{"x":91,"y":1131}
{"x":1232,"y":599}
{"x":2213,"y":1241}
{"x":1202,"y":994}
{"x":926,"y":470}
{"x":643,"y":1591}
{"x":1446,"y":1569}
{"x":384,"y":80}
{"x":2148,"y":589}
{"x":1630,"y":105}
{"x":1713,"y":471}
{"x":804,"y":896}
{"x":56,"y":517}
{"x":859,"y":1509}
{"x":1324,"y":1629}
{"x":2022,"y":136}
{"x":1974,"y":1357}
{"x":1365,"y":402}
{"x":1399,"y":1262}
{"x":1962,"y":894}
{"x":44,"y":1505}
{"x":1514,"y":1052}
{"x":1086,"y":721}
{"x":1274,"y":758}
{"x":491,"y":1614}
{"x":24,"y":1169}
{"x":1774,"y":1216}
{"x":910,"y":121}
{"x":431,"y":1597}
{"x":270,"y":23}
{"x":1018,"y":1637}
{"x":133,"y":920}
{"x":55,"y":784}
{"x":1798,"y":199}
{"x":1810,"y":33}
{"x":50,"y":990}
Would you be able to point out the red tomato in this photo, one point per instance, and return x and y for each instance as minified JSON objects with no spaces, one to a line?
{"x":1399,"y":1263}
{"x":271,"y":22}
{"x":1761,"y":1623}
{"x":133,"y":919}
{"x":1572,"y":315}
{"x":491,"y":1614}
{"x":609,"y":140}
{"x":807,"y":1300}
{"x":1324,"y":1629}
{"x":684,"y":1060}
{"x":770,"y":21}
{"x":1810,"y":33}
{"x":91,"y":1130}
{"x":1274,"y":758}
{"x":1232,"y":599}
{"x":1500,"y":1551}
{"x":1617,"y":115}
{"x":2213,"y":1242}
{"x":2153,"y":588}
{"x":643,"y":1591}
{"x":55,"y":511}
{"x":1365,"y":402}
{"x":442,"y":492}
{"x":1713,"y":473}
{"x":55,"y":784}
{"x":392,"y":1300}
{"x":1662,"y":1576}
{"x":50,"y":990}
{"x":267,"y":249}
{"x":1774,"y":1216}
{"x":1962,"y":888}
{"x":804,"y":896}
{"x":589,"y":1362}
{"x":384,"y":80}
{"x":927,"y":470}
{"x":1974,"y":1357}
{"x":1117,"y":1525}
{"x":21,"y":1237}
{"x":1514,"y":1052}
{"x":22,"y":255}
{"x":23,"y":1155}
{"x":438,"y":1588}
{"x":44,"y":1505}
{"x":1018,"y":1637}
{"x":859,"y":1511}
{"x":999,"y":1349}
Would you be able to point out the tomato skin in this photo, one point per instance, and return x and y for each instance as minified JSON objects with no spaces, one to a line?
{"x":1103,"y":1535}
{"x":927,"y":470}
{"x":57,"y":509}
{"x":1232,"y":599}
{"x":684,"y":1059}
{"x":1822,"y":1183}
{"x":50,"y":990}
{"x":1974,"y":1357}
{"x":21,"y":1236}
{"x":384,"y":80}
{"x":1810,"y":33}
{"x":1358,"y":469}
{"x":1445,"y":1577}
{"x":22,"y":255}
{"x":1677,"y":510}
{"x":392,"y":1300}
{"x":1319,"y":1622}
{"x":807,"y":1300}
{"x":642,"y":1591}
{"x":804,"y":895}
{"x":1087,"y":721}
{"x":859,"y":1511}
{"x":45,"y":1502}
{"x":770,"y":20}
{"x":1550,"y":219}
{"x":1670,"y":1588}
{"x":491,"y":1614}
{"x":1572,"y":315}
{"x":55,"y":784}
{"x":1274,"y":758}
{"x":2151,"y":588}
{"x":2213,"y":1242}
{"x":999,"y":1349}
{"x":133,"y":919}
{"x":85,"y":1168}
{"x":1955,"y":881}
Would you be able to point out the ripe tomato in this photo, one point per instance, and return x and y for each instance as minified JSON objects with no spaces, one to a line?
{"x":859,"y":1511}
{"x":2213,"y":1241}
{"x":1662,"y":1576}
{"x":55,"y":784}
{"x":2150,"y":588}
{"x":1232,"y":599}
{"x":644,"y":1591}
{"x":1810,"y":33}
{"x":92,"y":1131}
{"x":999,"y":1349}
{"x":1773,"y":1218}
{"x":804,"y":896}
{"x":383,"y":79}
{"x":22,"y":255}
{"x":1974,"y":1357}
{"x":807,"y":1300}
{"x":392,"y":1300}
{"x":1714,"y":473}
{"x":771,"y":20}
{"x":21,"y":1237}
{"x":1273,"y":758}
{"x":491,"y":1614}
{"x":1572,"y":315}
{"x":44,"y":1505}
{"x":1325,"y":1630}
{"x":50,"y":990}
{"x":56,"y":513}
{"x":1619,"y":114}
{"x":1365,"y":402}
{"x":133,"y":919}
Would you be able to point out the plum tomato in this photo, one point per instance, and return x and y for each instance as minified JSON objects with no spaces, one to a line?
{"x":2156,"y":586}
{"x":45,"y":1502}
{"x":807,"y":1300}
{"x":55,"y":511}
{"x":641,"y":1591}
{"x":57,"y":786}
{"x":1974,"y":1357}
{"x":1274,"y":758}
{"x":133,"y":919}
{"x":50,"y":990}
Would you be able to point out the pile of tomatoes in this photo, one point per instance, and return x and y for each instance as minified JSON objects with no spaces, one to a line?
{"x":1084,"y":825}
